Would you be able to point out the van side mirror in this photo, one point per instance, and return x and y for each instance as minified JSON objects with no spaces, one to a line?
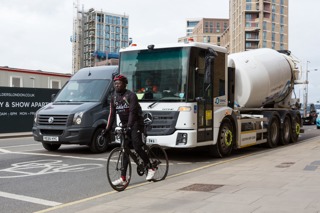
{"x":53,"y":97}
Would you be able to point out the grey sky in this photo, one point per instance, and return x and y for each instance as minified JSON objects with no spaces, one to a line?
{"x":35,"y":33}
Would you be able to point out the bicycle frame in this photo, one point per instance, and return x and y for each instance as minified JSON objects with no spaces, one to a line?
{"x":158,"y":160}
{"x":124,"y":144}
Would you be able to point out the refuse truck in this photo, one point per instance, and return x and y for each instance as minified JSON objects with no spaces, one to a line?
{"x":208,"y":98}
{"x":79,"y":112}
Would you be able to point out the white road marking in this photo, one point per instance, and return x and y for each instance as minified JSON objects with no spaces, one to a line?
{"x":5,"y":151}
{"x":21,"y":145}
{"x":29,"y":199}
{"x":53,"y":155}
{"x":43,"y":167}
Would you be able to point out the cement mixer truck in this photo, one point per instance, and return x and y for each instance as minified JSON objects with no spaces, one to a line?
{"x":206,"y":97}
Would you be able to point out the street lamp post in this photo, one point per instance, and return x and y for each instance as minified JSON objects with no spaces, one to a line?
{"x":306,"y":92}
{"x":306,"y":89}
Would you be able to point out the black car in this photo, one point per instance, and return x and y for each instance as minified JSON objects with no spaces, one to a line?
{"x":310,"y":116}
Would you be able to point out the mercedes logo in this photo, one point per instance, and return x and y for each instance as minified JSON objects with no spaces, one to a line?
{"x":147,"y":118}
{"x":50,"y":120}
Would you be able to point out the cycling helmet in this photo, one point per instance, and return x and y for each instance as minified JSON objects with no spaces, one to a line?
{"x":121,"y":78}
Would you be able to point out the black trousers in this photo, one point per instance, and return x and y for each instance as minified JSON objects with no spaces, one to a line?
{"x":136,"y":140}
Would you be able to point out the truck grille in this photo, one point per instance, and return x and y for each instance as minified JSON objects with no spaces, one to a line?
{"x":163,"y":123}
{"x":54,"y":120}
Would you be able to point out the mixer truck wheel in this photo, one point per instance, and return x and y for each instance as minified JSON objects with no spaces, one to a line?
{"x":286,"y":131}
{"x":273,"y":134}
{"x":225,"y":140}
{"x":296,"y":128}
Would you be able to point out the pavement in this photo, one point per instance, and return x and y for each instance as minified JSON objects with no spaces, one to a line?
{"x":285,"y":179}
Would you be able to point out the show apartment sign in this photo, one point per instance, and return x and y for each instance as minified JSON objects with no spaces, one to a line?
{"x":18,"y":107}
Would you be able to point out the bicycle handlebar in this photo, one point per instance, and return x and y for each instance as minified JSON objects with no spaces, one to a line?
{"x":120,"y":130}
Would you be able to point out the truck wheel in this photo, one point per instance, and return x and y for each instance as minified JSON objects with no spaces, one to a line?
{"x":296,"y":125}
{"x":286,"y":131}
{"x":273,"y":134}
{"x":225,"y":140}
{"x":51,"y":146}
{"x":99,"y":143}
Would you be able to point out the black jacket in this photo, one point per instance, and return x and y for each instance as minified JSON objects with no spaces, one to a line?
{"x":126,"y":105}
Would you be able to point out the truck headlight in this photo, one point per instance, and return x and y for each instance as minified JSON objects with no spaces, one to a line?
{"x":185,"y":109}
{"x":77,"y":118}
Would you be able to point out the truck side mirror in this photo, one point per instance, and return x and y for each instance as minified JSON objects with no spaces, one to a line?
{"x":210,"y":56}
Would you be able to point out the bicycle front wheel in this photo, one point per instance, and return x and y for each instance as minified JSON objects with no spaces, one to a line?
{"x":159,"y":161}
{"x":115,"y":166}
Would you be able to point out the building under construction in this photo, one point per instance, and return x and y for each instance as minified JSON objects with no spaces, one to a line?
{"x":97,"y":37}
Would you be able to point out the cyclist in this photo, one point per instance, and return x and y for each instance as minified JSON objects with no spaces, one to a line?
{"x":125,"y":103}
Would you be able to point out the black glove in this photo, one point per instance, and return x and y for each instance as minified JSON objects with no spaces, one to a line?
{"x":104,"y":132}
{"x":128,"y":131}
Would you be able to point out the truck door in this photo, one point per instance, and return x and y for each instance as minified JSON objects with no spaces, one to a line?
{"x":204,"y":94}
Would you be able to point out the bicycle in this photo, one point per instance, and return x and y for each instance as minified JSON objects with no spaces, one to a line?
{"x":157,"y":156}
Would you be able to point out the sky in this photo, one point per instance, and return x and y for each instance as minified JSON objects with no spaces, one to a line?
{"x":35,"y":34}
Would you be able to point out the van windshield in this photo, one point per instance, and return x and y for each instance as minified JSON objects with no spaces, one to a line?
{"x":90,"y":90}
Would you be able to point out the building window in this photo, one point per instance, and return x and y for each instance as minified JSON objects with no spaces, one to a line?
{"x":281,"y":47}
{"x":124,"y":21}
{"x":264,"y":44}
{"x":281,"y":19}
{"x":225,"y":26}
{"x":281,"y":38}
{"x":117,"y":20}
{"x":264,"y":25}
{"x":55,"y":84}
{"x":248,"y":17}
{"x":273,"y":8}
{"x":15,"y":81}
{"x":107,"y":28}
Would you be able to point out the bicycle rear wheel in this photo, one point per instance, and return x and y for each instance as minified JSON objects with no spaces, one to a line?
{"x":114,"y":168}
{"x":159,"y":161}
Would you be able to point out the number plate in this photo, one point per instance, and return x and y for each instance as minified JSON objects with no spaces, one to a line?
{"x":151,"y":140}
{"x":50,"y":138}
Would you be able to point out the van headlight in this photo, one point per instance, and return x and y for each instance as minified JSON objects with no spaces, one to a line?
{"x":77,"y":118}
{"x":35,"y":118}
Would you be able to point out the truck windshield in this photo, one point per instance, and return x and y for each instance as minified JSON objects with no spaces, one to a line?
{"x":158,"y":74}
{"x":83,"y":90}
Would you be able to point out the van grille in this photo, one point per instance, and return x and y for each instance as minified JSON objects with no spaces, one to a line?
{"x":54,"y":120}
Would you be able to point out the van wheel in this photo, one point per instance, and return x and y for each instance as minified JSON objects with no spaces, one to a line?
{"x":99,"y":143}
{"x":51,"y":147}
